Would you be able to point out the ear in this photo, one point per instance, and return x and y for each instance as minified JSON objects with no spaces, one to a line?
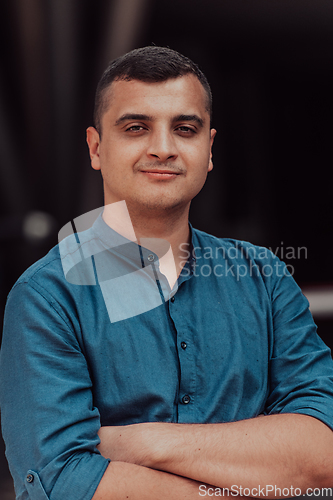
{"x":93,"y":140}
{"x":212,"y":135}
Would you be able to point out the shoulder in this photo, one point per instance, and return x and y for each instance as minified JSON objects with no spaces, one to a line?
{"x":230,"y":248}
{"x":48,"y":265}
{"x":52,"y":267}
{"x":254,"y":266}
{"x":47,"y":284}
{"x":43,"y":298}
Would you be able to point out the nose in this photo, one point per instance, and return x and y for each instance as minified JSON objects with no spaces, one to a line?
{"x":162,"y":146}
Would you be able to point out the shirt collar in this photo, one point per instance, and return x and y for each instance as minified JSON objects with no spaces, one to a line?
{"x":121,"y":246}
{"x":139,"y":255}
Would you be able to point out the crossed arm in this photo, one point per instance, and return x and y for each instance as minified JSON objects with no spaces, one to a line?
{"x":166,"y":460}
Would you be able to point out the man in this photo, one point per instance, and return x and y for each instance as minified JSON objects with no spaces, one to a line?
{"x":225,"y":384}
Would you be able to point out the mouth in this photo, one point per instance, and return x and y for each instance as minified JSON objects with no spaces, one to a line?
{"x":161,"y":174}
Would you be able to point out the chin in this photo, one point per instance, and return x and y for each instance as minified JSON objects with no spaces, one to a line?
{"x":161,"y":204}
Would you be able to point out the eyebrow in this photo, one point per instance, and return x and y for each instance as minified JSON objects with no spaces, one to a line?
{"x":190,"y":118}
{"x":133,"y":116}
{"x":179,"y":118}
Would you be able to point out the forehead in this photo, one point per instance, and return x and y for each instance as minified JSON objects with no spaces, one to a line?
{"x":182,"y":95}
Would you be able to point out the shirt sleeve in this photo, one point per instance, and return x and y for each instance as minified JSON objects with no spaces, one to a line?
{"x":301,"y":366}
{"x":49,"y":421}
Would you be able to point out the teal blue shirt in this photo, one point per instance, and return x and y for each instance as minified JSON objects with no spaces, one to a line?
{"x":235,"y":340}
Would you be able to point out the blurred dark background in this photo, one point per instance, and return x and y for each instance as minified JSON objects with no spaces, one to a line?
{"x":270,"y":65}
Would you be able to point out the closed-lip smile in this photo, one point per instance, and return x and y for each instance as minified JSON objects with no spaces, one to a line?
{"x":158,"y":173}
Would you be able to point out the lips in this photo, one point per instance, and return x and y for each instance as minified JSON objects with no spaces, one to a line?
{"x":160,"y":171}
{"x":160,"y":174}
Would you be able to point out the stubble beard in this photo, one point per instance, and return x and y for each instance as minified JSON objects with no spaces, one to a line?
{"x":157,"y":206}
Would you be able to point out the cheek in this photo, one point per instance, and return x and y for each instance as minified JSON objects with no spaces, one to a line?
{"x":199,"y":164}
{"x":198,"y":178}
{"x":112,"y":159}
{"x":118,"y":144}
{"x":199,"y":155}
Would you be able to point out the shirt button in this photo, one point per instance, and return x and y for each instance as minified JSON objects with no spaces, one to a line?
{"x":150,"y":257}
{"x":183,"y":345}
{"x":30,"y":478}
{"x":186,"y":399}
{"x":172,"y":298}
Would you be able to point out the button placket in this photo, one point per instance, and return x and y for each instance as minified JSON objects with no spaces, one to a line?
{"x":186,"y":356}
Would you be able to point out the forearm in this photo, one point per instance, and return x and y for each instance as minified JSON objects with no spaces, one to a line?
{"x":283,"y":450}
{"x":280,"y":450}
{"x":124,"y":480}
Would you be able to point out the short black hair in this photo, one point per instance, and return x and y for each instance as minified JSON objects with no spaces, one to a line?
{"x":147,"y":64}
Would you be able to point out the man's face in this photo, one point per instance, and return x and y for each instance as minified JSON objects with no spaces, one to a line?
{"x":154,"y":151}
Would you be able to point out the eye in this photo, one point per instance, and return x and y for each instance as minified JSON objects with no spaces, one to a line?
{"x":185,"y":130}
{"x":135,"y":128}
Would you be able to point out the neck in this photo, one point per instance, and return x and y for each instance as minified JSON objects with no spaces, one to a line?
{"x":152,"y":229}
{"x":171,"y":227}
